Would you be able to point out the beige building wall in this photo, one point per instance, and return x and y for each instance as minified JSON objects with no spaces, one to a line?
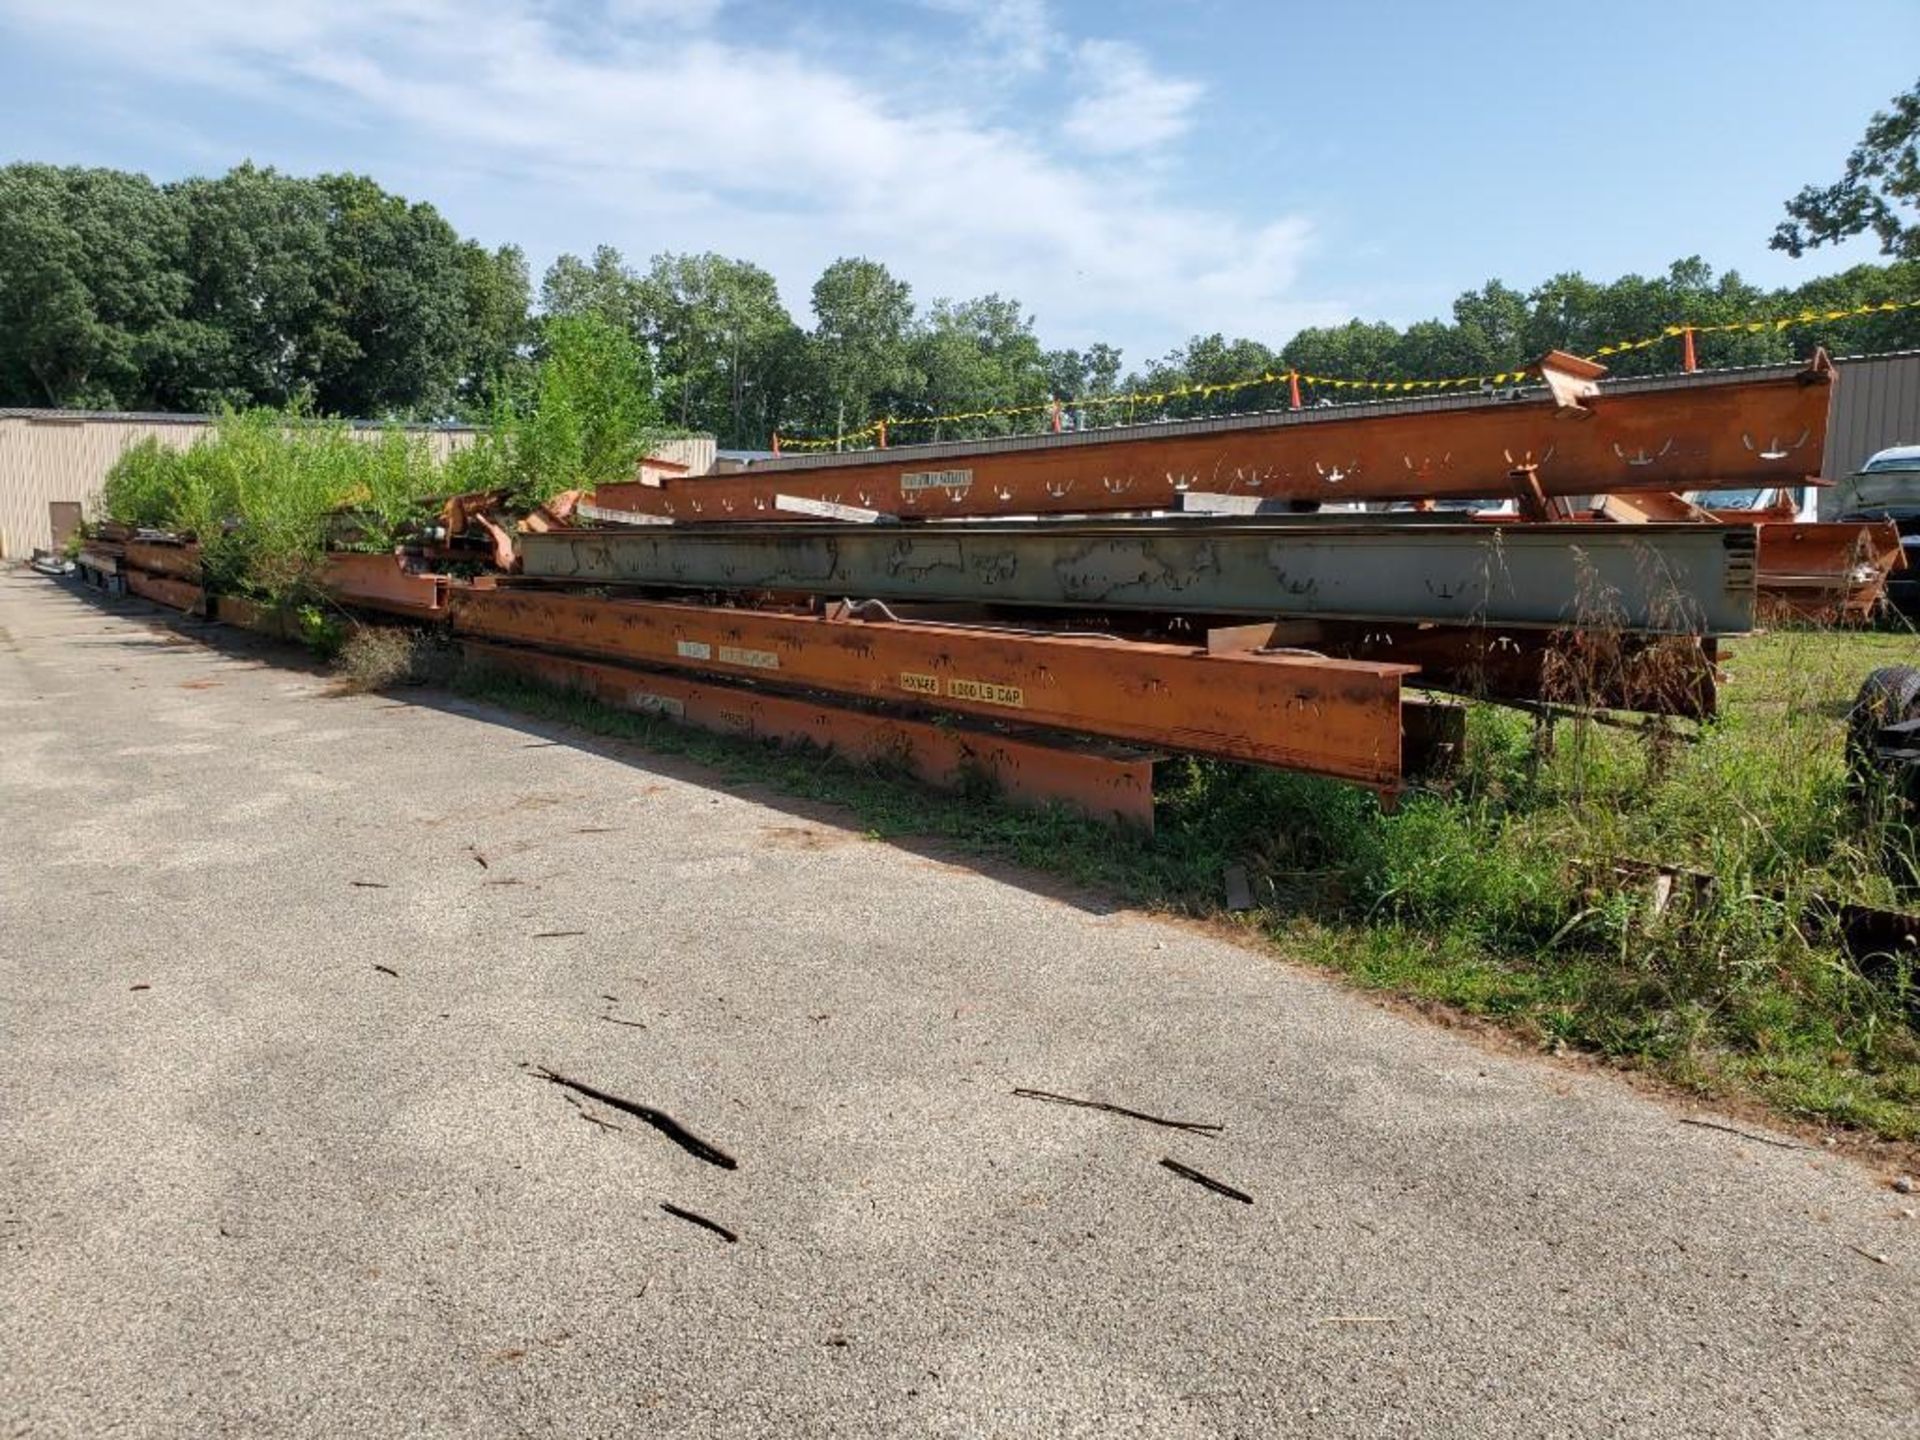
{"x":48,"y":455}
{"x":52,"y":455}
{"x":696,"y":452}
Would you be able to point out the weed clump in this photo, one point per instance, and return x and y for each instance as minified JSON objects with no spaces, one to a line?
{"x":375,"y":657}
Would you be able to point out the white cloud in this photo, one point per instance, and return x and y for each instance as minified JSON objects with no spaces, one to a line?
{"x":1125,"y":105}
{"x":1020,"y":33}
{"x":686,"y":140}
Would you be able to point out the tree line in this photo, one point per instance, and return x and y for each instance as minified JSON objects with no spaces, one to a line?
{"x":330,"y":293}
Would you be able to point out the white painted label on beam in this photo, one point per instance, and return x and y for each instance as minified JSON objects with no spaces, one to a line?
{"x":693,"y":650}
{"x":648,"y":703}
{"x":753,"y":659}
{"x":912,"y":480}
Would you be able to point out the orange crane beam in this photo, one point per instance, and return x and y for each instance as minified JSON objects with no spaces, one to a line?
{"x":1339,"y":718}
{"x":1107,"y":782}
{"x":1764,"y":426}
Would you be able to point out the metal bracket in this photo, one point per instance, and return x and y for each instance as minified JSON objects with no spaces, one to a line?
{"x":831,"y":510}
{"x":1570,"y":379}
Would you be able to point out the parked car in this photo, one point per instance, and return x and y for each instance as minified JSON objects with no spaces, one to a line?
{"x":1769,"y":498}
{"x":1887,"y":487}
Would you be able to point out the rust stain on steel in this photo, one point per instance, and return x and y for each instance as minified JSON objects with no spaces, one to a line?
{"x":1107,"y":786}
{"x":159,"y":557}
{"x":1104,"y":568}
{"x":1665,"y":674}
{"x":1327,"y":717}
{"x":1832,"y":571}
{"x":1678,"y":434}
{"x":382,"y":582}
{"x":252,"y":615}
{"x":162,"y":590}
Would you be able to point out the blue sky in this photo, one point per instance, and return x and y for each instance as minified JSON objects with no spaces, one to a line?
{"x":1136,"y":172}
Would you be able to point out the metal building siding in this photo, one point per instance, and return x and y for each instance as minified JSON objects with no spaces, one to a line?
{"x":44,"y":458}
{"x":696,"y":452}
{"x":1875,"y":404}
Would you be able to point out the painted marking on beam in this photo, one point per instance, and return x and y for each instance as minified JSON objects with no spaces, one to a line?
{"x":650,"y":704}
{"x":919,"y":684}
{"x":987,"y":692}
{"x":752,"y":659}
{"x":915,"y":480}
{"x":693,"y":650}
{"x":828,"y":510}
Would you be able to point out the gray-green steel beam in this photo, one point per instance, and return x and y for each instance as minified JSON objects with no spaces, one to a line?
{"x":1667,"y":579}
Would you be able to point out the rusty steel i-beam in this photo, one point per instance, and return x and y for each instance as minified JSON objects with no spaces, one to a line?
{"x":1097,"y":778}
{"x":1761,"y":426}
{"x":1330,"y":717}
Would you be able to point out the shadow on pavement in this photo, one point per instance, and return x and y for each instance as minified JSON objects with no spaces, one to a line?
{"x":168,"y":628}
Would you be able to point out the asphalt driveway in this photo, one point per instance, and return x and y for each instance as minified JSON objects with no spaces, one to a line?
{"x":277,"y":970}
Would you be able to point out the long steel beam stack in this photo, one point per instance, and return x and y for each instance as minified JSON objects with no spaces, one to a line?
{"x":1280,"y":640}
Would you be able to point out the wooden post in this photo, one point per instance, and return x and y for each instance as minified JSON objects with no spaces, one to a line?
{"x":1293,"y":389}
{"x":1687,"y":361}
{"x":776,"y":443}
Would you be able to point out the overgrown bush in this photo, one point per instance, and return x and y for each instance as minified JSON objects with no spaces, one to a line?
{"x":260,"y":489}
{"x":585,"y":420}
{"x":1508,"y":889}
{"x":263,"y":489}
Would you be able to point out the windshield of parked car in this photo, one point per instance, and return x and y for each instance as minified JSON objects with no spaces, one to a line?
{"x":1880,"y":487}
{"x":1731,"y":499}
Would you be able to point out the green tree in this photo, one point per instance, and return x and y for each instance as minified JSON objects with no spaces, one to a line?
{"x":859,"y":343}
{"x":972,"y":356}
{"x":331,"y":291}
{"x":499,"y":330}
{"x":393,"y":330}
{"x":91,"y":289}
{"x":1858,"y":285}
{"x":720,"y":336}
{"x":1353,"y":350}
{"x":256,"y":254}
{"x":602,"y":286}
{"x":1879,"y":190}
{"x":590,"y":416}
{"x":1083,"y":374}
{"x":1491,"y":323}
